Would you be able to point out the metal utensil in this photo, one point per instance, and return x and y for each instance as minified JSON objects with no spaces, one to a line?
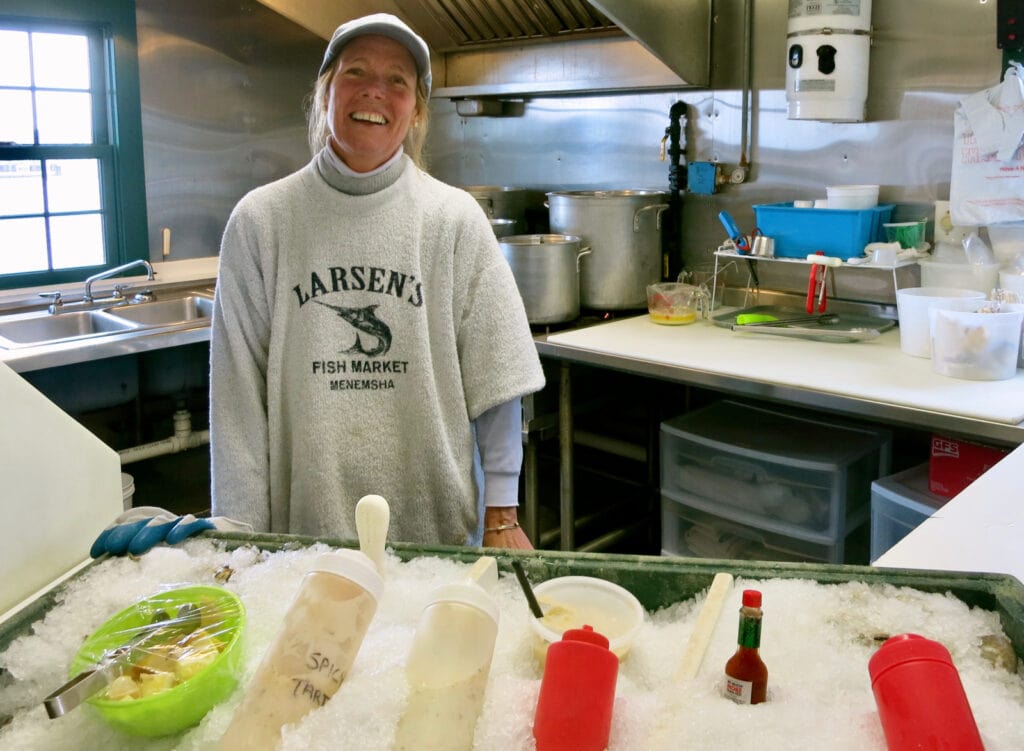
{"x":116,"y":662}
{"x":821,"y":334}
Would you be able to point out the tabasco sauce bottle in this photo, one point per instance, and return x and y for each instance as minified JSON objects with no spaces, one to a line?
{"x":746,"y":677}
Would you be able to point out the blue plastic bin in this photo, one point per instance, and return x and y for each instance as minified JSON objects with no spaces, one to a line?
{"x":841,"y":233}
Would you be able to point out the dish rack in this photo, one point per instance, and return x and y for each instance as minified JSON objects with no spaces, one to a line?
{"x":821,"y":287}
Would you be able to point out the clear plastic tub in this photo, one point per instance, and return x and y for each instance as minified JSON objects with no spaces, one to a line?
{"x":974,"y":276}
{"x":852,"y":196}
{"x":913,"y":304}
{"x":975,"y":346}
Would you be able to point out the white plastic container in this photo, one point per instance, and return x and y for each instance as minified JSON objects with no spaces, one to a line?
{"x":575,"y":601}
{"x":127,"y":490}
{"x":318,"y":641}
{"x":1007,"y":242}
{"x":913,"y":304}
{"x":449,"y":663}
{"x":972,"y":276}
{"x":975,"y":346}
{"x":852,"y":196}
{"x":1013,"y":280}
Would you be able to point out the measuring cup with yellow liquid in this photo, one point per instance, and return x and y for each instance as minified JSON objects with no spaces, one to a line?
{"x":675,"y":303}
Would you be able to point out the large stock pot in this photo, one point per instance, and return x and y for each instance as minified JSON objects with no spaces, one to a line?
{"x":546,"y":269}
{"x":623,"y":229}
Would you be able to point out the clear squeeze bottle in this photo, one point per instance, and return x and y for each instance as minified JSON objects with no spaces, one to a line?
{"x":449,"y":663}
{"x":746,"y":677}
{"x":317,"y":643}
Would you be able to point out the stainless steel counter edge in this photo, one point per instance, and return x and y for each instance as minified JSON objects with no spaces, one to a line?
{"x":113,"y":345}
{"x":864,"y":409}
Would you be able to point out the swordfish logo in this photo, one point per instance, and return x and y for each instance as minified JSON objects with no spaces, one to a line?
{"x":365,"y":321}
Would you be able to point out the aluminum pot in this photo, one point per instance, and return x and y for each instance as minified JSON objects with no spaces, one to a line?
{"x":623,"y":228}
{"x":546,"y":270}
{"x":501,"y":202}
{"x":506,"y":227}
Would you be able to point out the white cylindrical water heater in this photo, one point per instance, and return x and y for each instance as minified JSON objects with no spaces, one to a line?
{"x":828,"y":42}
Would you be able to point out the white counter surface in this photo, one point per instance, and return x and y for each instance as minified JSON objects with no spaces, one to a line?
{"x":981,"y":529}
{"x":876,"y":370}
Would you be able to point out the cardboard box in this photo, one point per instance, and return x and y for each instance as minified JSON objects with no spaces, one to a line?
{"x":954,"y":464}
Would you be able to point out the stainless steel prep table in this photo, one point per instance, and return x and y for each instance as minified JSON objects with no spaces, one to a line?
{"x":865,"y":380}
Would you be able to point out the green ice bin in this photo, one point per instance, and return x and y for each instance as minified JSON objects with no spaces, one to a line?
{"x":656,"y":581}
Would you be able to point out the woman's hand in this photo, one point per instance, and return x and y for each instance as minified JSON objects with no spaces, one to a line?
{"x":502,"y":530}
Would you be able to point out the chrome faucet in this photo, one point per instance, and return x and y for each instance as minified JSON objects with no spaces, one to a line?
{"x":87,"y":294}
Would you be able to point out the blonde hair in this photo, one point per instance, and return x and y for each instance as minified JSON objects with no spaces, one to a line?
{"x":319,"y":128}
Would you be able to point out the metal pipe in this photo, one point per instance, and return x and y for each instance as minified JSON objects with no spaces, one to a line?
{"x":565,"y":447}
{"x":745,"y":108}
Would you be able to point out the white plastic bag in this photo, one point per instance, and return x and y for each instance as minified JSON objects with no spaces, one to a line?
{"x":987,"y":183}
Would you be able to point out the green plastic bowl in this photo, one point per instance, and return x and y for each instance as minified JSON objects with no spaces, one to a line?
{"x":184,"y":705}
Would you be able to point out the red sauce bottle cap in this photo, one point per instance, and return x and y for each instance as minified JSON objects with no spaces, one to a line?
{"x":751,"y":598}
{"x":586,"y":634}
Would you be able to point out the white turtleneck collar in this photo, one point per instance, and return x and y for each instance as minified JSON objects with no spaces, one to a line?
{"x":344,"y":169}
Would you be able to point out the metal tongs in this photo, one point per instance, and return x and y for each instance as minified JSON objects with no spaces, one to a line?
{"x":116,"y":662}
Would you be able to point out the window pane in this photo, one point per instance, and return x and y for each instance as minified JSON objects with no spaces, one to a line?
{"x":73,"y":185}
{"x":14,"y":69}
{"x":61,"y":60}
{"x":22,"y":245}
{"x":76,"y":240}
{"x":64,"y":117}
{"x":21,"y":188}
{"x":16,"y":116}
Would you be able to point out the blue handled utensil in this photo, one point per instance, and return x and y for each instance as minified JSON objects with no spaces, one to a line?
{"x":733,"y":230}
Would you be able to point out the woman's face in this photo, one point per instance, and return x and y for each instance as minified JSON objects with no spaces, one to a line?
{"x":372,"y":101}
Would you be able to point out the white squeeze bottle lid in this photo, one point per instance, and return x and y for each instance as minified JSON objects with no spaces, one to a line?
{"x":365,"y":566}
{"x":474,"y":590}
{"x":457,"y":629}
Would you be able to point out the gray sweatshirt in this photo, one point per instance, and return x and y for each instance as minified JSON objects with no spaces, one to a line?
{"x":360,"y":327}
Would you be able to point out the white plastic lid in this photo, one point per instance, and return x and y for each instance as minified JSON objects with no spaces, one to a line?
{"x":466,"y":593}
{"x":353,"y":565}
{"x":474,"y":589}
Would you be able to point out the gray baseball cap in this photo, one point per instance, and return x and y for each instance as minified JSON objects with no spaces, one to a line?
{"x":386,"y":25}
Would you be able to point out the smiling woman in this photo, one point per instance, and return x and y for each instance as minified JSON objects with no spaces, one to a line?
{"x":411,"y":290}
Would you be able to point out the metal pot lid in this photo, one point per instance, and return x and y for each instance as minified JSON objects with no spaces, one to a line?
{"x":548,"y":239}
{"x":487,"y":189}
{"x":606,"y":193}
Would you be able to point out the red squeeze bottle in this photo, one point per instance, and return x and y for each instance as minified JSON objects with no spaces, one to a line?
{"x":574,"y":709}
{"x":920,"y":699}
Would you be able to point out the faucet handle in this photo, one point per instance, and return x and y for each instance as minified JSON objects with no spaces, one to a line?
{"x":56,"y":300}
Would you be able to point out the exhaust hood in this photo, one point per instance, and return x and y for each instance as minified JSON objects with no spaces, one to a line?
{"x":523,"y":47}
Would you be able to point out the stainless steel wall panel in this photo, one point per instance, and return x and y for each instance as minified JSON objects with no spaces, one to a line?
{"x":223,"y":84}
{"x":222,"y":89}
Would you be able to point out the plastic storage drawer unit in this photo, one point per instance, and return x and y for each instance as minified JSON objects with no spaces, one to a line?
{"x":898,"y":504}
{"x":796,"y":483}
{"x":687,"y":531}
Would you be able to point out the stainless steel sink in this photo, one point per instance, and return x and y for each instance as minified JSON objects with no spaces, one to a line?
{"x":34,"y":329}
{"x":179,"y":310}
{"x":165,"y":312}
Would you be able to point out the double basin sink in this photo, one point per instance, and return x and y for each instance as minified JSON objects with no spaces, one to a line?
{"x":182,"y":309}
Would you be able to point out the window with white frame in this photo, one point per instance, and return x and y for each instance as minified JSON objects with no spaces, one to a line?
{"x":64,"y":159}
